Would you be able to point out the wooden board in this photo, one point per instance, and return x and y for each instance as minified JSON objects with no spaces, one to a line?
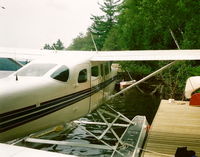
{"x":176,"y":124}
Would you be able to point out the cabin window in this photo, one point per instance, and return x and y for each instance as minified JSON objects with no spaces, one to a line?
{"x":82,"y":77}
{"x":35,"y":70}
{"x":61,"y":74}
{"x":95,"y":71}
{"x":107,"y":68}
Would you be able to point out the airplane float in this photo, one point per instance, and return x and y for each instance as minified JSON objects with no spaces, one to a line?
{"x":63,"y":86}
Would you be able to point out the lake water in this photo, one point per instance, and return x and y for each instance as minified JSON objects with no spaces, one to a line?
{"x":130,"y":104}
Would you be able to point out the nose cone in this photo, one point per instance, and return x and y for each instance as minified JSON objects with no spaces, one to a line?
{"x":15,"y":94}
{"x":20,"y":104}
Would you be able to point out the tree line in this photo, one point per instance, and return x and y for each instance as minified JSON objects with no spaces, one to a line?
{"x":144,"y":24}
{"x":147,"y":25}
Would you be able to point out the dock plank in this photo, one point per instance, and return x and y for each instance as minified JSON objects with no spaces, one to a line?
{"x":175,"y":125}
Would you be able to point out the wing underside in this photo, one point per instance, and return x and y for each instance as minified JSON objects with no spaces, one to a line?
{"x":148,"y":55}
{"x":134,"y":55}
{"x":20,"y":54}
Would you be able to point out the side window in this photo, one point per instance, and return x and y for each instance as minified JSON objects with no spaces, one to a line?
{"x":107,"y":68}
{"x":95,"y":71}
{"x":82,"y":77}
{"x":61,"y":74}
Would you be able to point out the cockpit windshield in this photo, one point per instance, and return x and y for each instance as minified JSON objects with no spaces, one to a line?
{"x":36,"y":70}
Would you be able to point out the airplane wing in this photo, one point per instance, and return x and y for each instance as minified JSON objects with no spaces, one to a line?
{"x":20,"y":54}
{"x":133,"y":55}
{"x":147,"y":55}
{"x":10,"y":59}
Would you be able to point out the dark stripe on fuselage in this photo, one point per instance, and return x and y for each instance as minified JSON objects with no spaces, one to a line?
{"x":24,"y":115}
{"x":36,"y":115}
{"x":47,"y":104}
{"x":6,"y":114}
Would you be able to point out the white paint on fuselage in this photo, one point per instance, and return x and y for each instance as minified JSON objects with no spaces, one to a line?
{"x":28,"y":91}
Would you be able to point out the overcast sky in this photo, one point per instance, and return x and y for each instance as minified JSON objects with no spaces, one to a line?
{"x":32,"y":23}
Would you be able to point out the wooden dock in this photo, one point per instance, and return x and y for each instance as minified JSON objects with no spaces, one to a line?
{"x":176,"y":124}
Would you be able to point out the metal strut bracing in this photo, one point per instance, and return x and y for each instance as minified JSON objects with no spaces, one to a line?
{"x":104,"y":115}
{"x":117,"y":116}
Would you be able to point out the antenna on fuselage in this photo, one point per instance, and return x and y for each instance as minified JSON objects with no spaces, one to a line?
{"x":16,"y":78}
{"x":95,"y":46}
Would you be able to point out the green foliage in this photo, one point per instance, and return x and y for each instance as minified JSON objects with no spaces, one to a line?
{"x":82,"y":42}
{"x":148,"y":24}
{"x":47,"y":47}
{"x":99,"y":29}
{"x":139,"y":69}
{"x":58,"y":45}
{"x":55,"y":46}
{"x":194,"y":71}
{"x":103,"y":24}
{"x":145,"y":25}
{"x":191,"y":37}
{"x":174,"y":78}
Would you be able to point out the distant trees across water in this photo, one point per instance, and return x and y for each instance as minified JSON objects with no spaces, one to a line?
{"x":55,"y":46}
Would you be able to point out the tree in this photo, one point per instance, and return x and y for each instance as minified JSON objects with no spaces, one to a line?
{"x":82,"y":42}
{"x":47,"y":47}
{"x":103,"y":24}
{"x":147,"y":24}
{"x":55,"y":46}
{"x":58,"y":45}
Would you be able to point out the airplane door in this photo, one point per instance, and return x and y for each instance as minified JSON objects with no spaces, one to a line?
{"x":106,"y":76}
{"x":82,"y":89}
{"x":96,"y":86}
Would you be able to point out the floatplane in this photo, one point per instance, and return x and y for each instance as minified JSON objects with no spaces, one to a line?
{"x":59,"y":87}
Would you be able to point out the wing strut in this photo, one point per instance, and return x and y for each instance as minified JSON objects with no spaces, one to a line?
{"x":150,"y":75}
{"x":143,"y":79}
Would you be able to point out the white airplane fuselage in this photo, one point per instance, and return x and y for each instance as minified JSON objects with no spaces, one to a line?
{"x":52,"y":91}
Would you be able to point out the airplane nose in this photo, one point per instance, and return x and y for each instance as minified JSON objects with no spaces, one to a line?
{"x":14,"y":95}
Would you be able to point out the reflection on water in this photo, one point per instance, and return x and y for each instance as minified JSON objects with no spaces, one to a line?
{"x":137,"y":103}
{"x":130,"y":104}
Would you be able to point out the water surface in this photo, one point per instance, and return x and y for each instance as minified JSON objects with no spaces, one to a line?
{"x":130,"y":104}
